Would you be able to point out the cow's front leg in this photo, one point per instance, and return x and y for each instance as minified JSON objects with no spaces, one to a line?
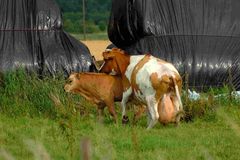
{"x":153,"y":111}
{"x":125,"y":98}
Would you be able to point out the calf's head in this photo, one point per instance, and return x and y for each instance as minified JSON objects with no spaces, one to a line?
{"x":71,"y":83}
{"x":115,"y":62}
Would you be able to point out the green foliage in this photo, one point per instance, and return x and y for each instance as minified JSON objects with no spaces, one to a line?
{"x":94,"y":36}
{"x":97,"y":15}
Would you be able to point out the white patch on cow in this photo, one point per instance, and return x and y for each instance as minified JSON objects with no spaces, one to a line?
{"x":171,"y":67}
{"x":144,"y":84}
{"x":133,"y":62}
{"x":153,"y":66}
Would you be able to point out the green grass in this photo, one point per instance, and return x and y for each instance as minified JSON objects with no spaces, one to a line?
{"x":39,"y":121}
{"x":92,"y":36}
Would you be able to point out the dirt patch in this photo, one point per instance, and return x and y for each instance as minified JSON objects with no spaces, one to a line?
{"x":96,"y":47}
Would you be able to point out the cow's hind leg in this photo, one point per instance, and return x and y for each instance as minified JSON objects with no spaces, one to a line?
{"x":153,"y":111}
{"x":124,"y":101}
{"x":138,"y":114}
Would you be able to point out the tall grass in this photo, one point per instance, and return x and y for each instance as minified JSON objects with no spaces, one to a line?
{"x":27,"y":95}
{"x":24,"y":94}
{"x":37,"y":116}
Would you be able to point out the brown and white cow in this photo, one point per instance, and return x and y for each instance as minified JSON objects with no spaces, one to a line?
{"x":152,"y":81}
{"x":98,"y":88}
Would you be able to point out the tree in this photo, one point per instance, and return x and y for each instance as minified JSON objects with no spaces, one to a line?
{"x":98,"y":12}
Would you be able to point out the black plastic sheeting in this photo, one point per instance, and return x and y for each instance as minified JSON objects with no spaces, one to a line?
{"x":31,"y":37}
{"x":200,"y":37}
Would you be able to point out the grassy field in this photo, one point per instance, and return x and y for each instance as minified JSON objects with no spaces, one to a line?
{"x":39,"y":121}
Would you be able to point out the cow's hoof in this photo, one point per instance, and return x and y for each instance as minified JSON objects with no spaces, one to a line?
{"x":125,"y":120}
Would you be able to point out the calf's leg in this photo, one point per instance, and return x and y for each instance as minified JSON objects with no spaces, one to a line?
{"x":110,"y":105}
{"x":100,"y":109}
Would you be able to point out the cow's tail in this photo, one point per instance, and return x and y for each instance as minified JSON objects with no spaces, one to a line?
{"x":180,"y":113}
{"x":177,"y":93}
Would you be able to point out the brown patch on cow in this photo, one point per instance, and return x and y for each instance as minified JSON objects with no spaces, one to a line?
{"x":178,"y":80}
{"x":160,"y":85}
{"x":125,"y":83}
{"x":136,"y":69}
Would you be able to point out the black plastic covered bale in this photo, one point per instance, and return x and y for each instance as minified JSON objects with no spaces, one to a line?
{"x":200,"y":37}
{"x":31,"y":37}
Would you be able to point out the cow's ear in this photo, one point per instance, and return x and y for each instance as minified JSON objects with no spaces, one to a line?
{"x":78,"y":76}
{"x":115,"y":49}
{"x":107,"y":56}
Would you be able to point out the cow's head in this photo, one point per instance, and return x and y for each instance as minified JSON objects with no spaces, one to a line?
{"x":71,"y":82}
{"x":115,"y":61}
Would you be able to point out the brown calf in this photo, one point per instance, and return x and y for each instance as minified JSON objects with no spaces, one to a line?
{"x":98,"y":88}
